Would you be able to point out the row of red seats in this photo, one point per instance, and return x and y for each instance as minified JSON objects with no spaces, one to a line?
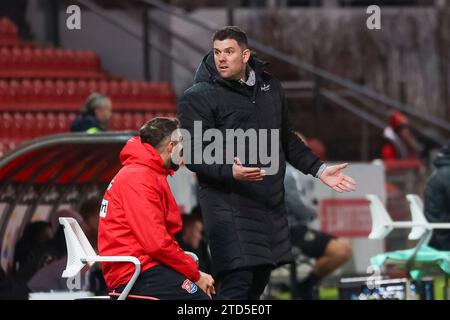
{"x":26,"y":125}
{"x":8,"y":32}
{"x":71,"y":95}
{"x":135,"y":120}
{"x":49,"y":63}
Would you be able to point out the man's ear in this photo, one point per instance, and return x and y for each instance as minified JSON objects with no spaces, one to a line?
{"x":246,"y":55}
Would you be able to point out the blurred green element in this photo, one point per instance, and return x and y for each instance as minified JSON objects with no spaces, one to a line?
{"x":328,"y":294}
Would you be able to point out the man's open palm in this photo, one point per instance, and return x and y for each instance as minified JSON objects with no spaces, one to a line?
{"x":334,"y":178}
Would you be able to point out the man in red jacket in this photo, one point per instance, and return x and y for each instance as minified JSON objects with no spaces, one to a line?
{"x":139,"y":218}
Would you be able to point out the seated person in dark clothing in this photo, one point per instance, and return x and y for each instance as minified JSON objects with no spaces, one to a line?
{"x":330,"y":252}
{"x":49,"y":276}
{"x":95,"y":115}
{"x":191,"y":238}
{"x":437,"y":199}
{"x":28,"y":254}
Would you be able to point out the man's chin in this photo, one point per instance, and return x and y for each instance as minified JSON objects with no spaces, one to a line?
{"x":228,"y":76}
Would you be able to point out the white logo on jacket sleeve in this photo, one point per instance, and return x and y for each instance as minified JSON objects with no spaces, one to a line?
{"x":104,"y":208}
{"x":110,"y":185}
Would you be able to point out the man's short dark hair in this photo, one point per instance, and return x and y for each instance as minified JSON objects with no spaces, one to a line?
{"x":156,"y":130}
{"x":232,"y":32}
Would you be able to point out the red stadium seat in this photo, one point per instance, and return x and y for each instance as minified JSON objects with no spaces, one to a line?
{"x":3,"y":94}
{"x":5,"y":62}
{"x":39,"y":125}
{"x":139,"y":120}
{"x":6,"y":125}
{"x":116,"y":120}
{"x":128,"y":121}
{"x":51,"y":125}
{"x":8,"y":33}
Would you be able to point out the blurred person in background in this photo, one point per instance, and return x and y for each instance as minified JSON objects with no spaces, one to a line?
{"x":89,"y":211}
{"x":30,"y":248}
{"x":329,"y":252}
{"x":95,"y":115}
{"x":437,"y":199}
{"x":191,"y":238}
{"x":402,"y":143}
{"x":48,"y":277}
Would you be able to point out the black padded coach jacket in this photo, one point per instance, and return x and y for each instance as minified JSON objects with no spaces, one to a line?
{"x":245,"y":222}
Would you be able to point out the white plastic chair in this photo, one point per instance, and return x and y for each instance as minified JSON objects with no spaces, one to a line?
{"x":381,"y":221}
{"x":416,"y":208}
{"x":80,"y":253}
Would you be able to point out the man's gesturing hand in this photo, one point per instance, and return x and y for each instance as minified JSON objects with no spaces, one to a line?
{"x":246,"y":173}
{"x":206,"y":283}
{"x":333,"y":177}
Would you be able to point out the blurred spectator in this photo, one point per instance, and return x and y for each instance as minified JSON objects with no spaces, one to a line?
{"x":330,"y":253}
{"x":191,"y":234}
{"x":95,"y":115}
{"x":64,"y":213}
{"x":402,"y":143}
{"x":28,"y":254}
{"x":89,"y":211}
{"x":191,"y":238}
{"x":49,"y":276}
{"x":317,"y":147}
{"x":437,"y":199}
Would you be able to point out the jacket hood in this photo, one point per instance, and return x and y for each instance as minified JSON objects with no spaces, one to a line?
{"x":136,"y":152}
{"x":207,"y":72}
{"x":443,"y":158}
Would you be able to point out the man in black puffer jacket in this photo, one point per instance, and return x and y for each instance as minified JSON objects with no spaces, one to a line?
{"x":437,"y":199}
{"x":241,"y":193}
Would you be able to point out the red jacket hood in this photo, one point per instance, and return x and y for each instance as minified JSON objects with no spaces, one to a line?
{"x":137,"y":152}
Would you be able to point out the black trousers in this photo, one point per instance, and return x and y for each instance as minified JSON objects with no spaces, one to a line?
{"x":243,"y":284}
{"x":166,"y":284}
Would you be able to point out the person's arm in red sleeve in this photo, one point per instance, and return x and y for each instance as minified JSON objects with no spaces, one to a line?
{"x":145,"y":215}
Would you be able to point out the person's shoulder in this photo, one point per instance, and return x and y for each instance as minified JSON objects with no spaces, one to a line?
{"x":134,"y":175}
{"x":439,"y":178}
{"x":84,"y":123}
{"x":443,"y":173}
{"x":135,"y":172}
{"x":274,"y":81}
{"x":200,"y":96}
{"x":199,"y":89}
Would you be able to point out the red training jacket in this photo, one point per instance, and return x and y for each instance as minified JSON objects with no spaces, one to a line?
{"x":139,"y":217}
